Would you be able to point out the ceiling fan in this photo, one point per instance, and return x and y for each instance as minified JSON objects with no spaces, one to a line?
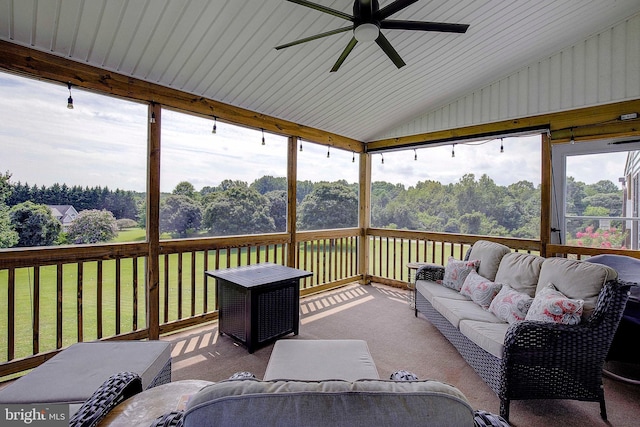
{"x":367,"y":21}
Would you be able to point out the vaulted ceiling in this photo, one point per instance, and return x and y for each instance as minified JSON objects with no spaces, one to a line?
{"x":224,"y":50}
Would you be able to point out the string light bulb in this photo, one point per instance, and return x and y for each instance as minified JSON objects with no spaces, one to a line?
{"x":353,"y":158}
{"x":328,"y":154}
{"x":263,"y":143}
{"x":70,"y":99}
{"x":215,"y":125}
{"x":152,"y":120}
{"x":453,"y":150}
{"x":572,"y":141}
{"x":501,"y":146}
{"x":300,"y":145}
{"x":415,"y":155}
{"x":382,"y":157}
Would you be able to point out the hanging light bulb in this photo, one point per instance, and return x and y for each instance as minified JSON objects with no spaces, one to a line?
{"x":263,"y":143}
{"x":353,"y":159}
{"x":453,"y":150}
{"x":301,"y":145}
{"x":328,"y":154}
{"x":501,"y":146}
{"x":70,"y":100}
{"x":572,"y":141}
{"x":215,"y":125}
{"x":415,"y":154}
{"x":382,"y":156}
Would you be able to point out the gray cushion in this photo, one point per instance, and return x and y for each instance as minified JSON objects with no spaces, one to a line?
{"x":488,"y":336}
{"x":296,"y":359}
{"x":430,"y":290}
{"x":489,"y":254}
{"x":328,"y":403}
{"x":576,"y":279}
{"x":75,"y":373}
{"x":455,"y":311}
{"x":520,"y":271}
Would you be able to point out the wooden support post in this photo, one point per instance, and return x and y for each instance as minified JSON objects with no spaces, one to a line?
{"x":153,"y":222}
{"x":364,"y":217}
{"x":292,"y":182}
{"x":545,"y":195}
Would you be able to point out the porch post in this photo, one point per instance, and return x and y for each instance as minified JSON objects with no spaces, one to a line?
{"x":364,"y":217}
{"x":545,"y":195}
{"x":153,"y":223}
{"x":292,"y":180}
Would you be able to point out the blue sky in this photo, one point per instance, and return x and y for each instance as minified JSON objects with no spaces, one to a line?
{"x":102,"y":142}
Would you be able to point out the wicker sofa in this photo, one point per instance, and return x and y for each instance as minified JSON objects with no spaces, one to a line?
{"x":520,"y":358}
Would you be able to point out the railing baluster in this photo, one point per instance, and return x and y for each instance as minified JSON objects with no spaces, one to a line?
{"x":11,"y":314}
{"x":166,"y":288}
{"x":205,"y":283}
{"x":79,"y":300}
{"x":193,"y":284}
{"x":36,"y":309}
{"x":179,"y":285}
{"x":135,"y":293}
{"x":99,"y":299}
{"x":118,"y":295}
{"x":59,"y":300}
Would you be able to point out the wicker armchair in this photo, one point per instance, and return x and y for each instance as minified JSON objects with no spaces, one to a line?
{"x":541,"y":360}
{"x":554,"y":361}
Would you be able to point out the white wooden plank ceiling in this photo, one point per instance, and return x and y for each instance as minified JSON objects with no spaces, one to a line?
{"x":224,"y":50}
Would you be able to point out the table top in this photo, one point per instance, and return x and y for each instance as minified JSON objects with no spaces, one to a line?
{"x":417,"y":265}
{"x":258,"y":274}
{"x":143,"y":408}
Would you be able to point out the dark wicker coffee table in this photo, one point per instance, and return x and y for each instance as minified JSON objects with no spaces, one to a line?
{"x":258,"y":303}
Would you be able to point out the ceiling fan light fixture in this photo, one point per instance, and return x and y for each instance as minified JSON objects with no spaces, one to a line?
{"x":366,"y":33}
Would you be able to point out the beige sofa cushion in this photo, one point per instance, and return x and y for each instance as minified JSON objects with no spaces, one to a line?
{"x":489,"y":254}
{"x":430,"y":290}
{"x":488,"y":336}
{"x":455,"y":311}
{"x":576,"y":280}
{"x":520,"y":271}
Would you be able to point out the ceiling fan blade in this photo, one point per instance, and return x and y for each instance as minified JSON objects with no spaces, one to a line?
{"x":390,"y":51}
{"x":390,"y":24}
{"x":323,"y":9}
{"x":347,"y":50}
{"x":317,"y":36}
{"x":392,"y":8}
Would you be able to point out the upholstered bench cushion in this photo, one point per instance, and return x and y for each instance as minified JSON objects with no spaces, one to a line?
{"x":321,"y":360}
{"x":456,"y":310}
{"x":328,"y":403}
{"x":431,"y":290}
{"x":75,"y":373}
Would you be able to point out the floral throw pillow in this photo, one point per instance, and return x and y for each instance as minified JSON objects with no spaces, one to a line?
{"x":552,"y":306}
{"x":456,"y":271}
{"x":481,"y":290}
{"x":510,"y":305}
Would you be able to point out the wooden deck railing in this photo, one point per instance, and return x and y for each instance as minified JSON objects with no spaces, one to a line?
{"x":57,"y":296}
{"x":53,"y":297}
{"x":392,"y":250}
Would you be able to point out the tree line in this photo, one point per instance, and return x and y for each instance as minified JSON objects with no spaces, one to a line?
{"x":234,"y":207}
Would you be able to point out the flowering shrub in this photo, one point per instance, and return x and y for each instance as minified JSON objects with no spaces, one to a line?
{"x":611,"y":238}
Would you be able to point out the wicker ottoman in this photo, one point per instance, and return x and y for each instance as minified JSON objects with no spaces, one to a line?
{"x":73,"y":375}
{"x":316,"y":360}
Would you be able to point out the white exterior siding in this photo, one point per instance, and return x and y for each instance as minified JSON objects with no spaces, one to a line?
{"x":602,"y":69}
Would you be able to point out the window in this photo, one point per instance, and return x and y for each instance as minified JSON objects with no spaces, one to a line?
{"x":222,"y":183}
{"x":65,"y":167}
{"x":489,"y":187}
{"x":595,"y":183}
{"x":327,"y":190}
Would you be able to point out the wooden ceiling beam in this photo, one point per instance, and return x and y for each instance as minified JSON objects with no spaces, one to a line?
{"x":19,"y":59}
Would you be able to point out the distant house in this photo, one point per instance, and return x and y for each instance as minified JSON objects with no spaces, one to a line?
{"x":64,"y":213}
